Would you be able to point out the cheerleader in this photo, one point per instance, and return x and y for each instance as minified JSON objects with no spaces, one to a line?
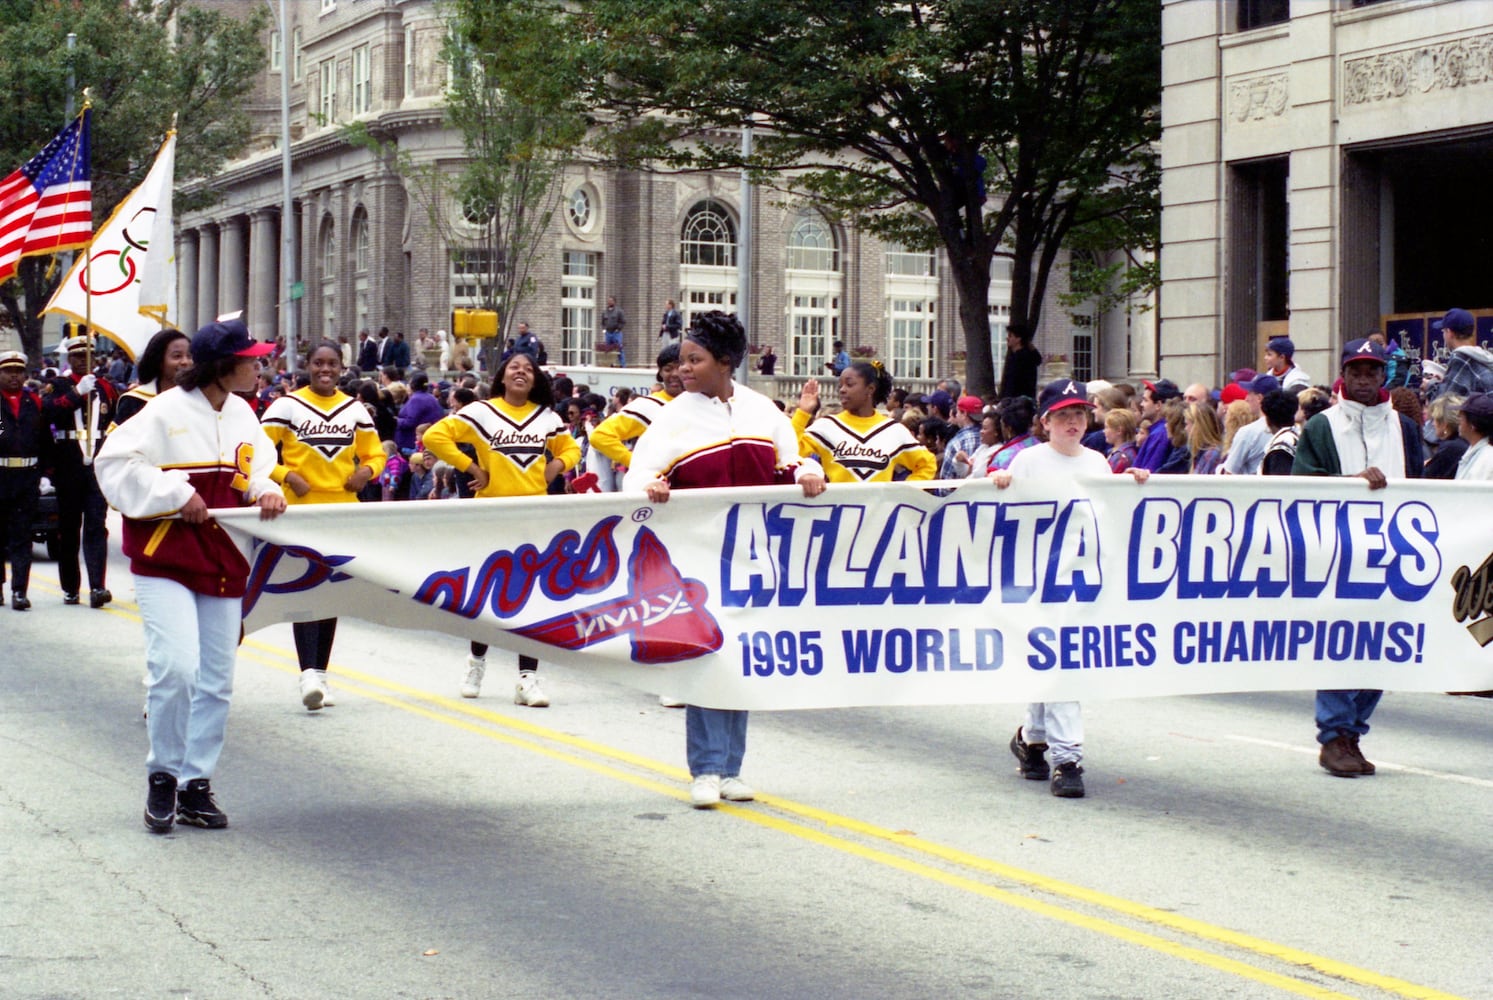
{"x":329,"y":451}
{"x":859,"y":444}
{"x":168,"y":352}
{"x":538,"y":449}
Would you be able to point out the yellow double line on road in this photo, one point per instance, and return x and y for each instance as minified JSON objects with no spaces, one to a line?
{"x":816,"y":826}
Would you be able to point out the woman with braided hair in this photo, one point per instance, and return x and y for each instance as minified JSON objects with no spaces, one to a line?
{"x":717,"y":432}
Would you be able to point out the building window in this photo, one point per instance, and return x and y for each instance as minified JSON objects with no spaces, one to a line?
{"x":579,"y":209}
{"x":362,"y":258}
{"x":911,"y":263}
{"x":296,"y":64}
{"x":578,"y":328}
{"x":1082,"y":352}
{"x":709,"y":237}
{"x":327,"y":6}
{"x":698,"y":300}
{"x":911,"y":308}
{"x":277,"y":53}
{"x":813,"y":325}
{"x":328,"y":280}
{"x":911,"y":338}
{"x":474,"y":275}
{"x":362,"y":81}
{"x":328,"y":106}
{"x":409,"y":61}
{"x":1262,"y":13}
{"x":811,"y":244}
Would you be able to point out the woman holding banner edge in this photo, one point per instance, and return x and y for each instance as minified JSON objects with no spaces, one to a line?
{"x":717,"y":433}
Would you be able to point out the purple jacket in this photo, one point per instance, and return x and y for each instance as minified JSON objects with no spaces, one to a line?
{"x":1153,"y":453}
{"x":422,"y":408}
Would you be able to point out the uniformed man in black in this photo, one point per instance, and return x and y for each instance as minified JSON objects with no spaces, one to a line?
{"x":80,"y":506}
{"x":23,"y":439}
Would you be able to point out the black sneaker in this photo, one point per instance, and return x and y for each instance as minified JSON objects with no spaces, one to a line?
{"x":1029,"y":759}
{"x":195,"y":806}
{"x":99,"y":597}
{"x":1067,"y":781}
{"x":70,"y":597}
{"x":19,"y":601}
{"x":160,"y":803}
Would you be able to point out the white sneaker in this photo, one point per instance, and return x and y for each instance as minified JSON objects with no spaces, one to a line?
{"x":705,"y":791}
{"x":471,"y":685}
{"x":326,"y":690}
{"x":668,"y":702}
{"x":736,"y":790}
{"x":528,"y":692}
{"x":313,"y":690}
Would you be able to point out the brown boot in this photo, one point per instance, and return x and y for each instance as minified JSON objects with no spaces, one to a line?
{"x":1364,"y":763}
{"x":1338,"y":758}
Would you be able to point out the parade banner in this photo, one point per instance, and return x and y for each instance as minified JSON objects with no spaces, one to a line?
{"x":889,"y":594}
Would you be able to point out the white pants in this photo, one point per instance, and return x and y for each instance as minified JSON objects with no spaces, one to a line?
{"x":1059,"y":724}
{"x":191,"y":645}
{"x":607,"y":479}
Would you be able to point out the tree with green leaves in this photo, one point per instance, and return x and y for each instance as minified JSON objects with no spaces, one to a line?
{"x":900,"y":116}
{"x":142,"y":62}
{"x":514,"y":100}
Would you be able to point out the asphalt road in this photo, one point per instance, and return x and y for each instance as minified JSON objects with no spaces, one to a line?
{"x":409,"y":843}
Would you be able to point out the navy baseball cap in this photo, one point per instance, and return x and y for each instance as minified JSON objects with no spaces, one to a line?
{"x":1479,"y":407}
{"x":1364,"y":350}
{"x":227,"y":339}
{"x":940,"y":399}
{"x":1281,"y":346}
{"x":1456,"y":320}
{"x":1062,"y":393}
{"x":1161,"y":390}
{"x":1262,"y":384}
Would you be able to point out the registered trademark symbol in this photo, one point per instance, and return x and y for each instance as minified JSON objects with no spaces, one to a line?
{"x":642,"y":513}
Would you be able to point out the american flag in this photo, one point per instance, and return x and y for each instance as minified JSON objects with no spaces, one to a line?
{"x":47,"y":205}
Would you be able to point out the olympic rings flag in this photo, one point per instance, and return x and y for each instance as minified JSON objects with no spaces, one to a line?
{"x":136,"y":239}
{"x":889,"y":595}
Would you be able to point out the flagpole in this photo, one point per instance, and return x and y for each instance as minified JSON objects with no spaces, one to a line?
{"x":89,"y":405}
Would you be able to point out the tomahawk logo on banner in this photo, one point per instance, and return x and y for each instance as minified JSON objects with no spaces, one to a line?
{"x":888,"y":595}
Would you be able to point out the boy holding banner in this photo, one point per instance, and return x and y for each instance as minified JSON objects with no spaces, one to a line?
{"x":1057,"y":725}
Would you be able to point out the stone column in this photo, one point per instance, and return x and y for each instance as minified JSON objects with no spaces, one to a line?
{"x":207,"y":275}
{"x":231,"y":266}
{"x":186,"y":282}
{"x":264,"y":275}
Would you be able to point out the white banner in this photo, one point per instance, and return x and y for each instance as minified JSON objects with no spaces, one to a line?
{"x":120,"y":257}
{"x":889,"y":595}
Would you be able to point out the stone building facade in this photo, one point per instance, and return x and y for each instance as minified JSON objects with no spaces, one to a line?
{"x":368,"y":255}
{"x":1323,"y":175}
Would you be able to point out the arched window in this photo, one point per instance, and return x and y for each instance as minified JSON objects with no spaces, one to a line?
{"x":709,"y":237}
{"x":811,"y":244}
{"x":362,"y":247}
{"x":362,"y":258}
{"x":328,"y":278}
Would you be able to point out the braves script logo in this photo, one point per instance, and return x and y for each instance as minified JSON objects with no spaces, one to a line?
{"x":1474,"y":599}
{"x":319,"y":569}
{"x":663,"y":613}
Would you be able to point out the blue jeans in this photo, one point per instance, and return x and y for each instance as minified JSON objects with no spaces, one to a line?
{"x":714,"y":740}
{"x":615,"y":337}
{"x":1344,"y":712}
{"x":191,"y":644}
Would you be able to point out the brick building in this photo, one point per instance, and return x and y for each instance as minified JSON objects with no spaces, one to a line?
{"x":368,"y":254}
